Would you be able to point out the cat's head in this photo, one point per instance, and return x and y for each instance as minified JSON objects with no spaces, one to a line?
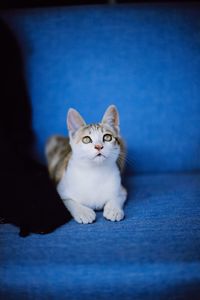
{"x":95,"y":142}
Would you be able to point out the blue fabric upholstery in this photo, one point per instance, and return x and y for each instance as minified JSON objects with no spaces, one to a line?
{"x":145,"y":59}
{"x":152,"y":254}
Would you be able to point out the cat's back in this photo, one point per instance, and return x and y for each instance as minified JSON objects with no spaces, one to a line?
{"x":58,"y":153}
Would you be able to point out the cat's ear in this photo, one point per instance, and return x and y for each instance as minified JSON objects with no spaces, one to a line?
{"x":111,"y":117}
{"x":74,"y":120}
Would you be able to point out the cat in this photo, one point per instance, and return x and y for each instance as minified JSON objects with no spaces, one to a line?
{"x":87,"y":166}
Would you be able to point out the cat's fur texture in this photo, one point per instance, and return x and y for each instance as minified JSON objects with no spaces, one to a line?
{"x":86,"y":167}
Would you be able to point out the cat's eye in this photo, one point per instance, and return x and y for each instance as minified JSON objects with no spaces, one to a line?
{"x":107,"y":137}
{"x":86,"y":140}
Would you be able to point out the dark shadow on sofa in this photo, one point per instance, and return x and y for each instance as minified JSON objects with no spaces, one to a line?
{"x":28,"y":197}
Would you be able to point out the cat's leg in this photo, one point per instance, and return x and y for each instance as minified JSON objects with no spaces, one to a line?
{"x":79,"y":212}
{"x":113,"y":209}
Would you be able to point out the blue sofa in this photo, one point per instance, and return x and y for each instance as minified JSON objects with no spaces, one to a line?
{"x":145,"y":59}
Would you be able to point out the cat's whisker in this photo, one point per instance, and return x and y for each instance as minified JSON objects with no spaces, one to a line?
{"x":130,"y":163}
{"x":127,"y":160}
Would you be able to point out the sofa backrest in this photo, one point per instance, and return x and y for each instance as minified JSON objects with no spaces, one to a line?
{"x":143,"y":58}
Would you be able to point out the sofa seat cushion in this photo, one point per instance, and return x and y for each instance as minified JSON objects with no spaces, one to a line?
{"x":152,"y":254}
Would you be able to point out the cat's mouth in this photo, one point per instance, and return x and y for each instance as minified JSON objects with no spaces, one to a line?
{"x":100,"y":155}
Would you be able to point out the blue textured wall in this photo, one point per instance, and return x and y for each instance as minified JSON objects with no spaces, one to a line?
{"x":143,"y":58}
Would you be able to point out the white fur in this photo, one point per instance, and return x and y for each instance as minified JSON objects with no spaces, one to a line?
{"x":94,"y":187}
{"x":91,"y":182}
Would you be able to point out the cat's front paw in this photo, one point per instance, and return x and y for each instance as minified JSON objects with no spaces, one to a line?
{"x":113,"y":213}
{"x":84,"y":215}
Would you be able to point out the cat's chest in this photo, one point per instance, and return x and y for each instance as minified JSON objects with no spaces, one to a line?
{"x":91,"y":185}
{"x":92,"y":180}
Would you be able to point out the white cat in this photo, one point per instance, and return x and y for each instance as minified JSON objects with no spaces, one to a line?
{"x":86,"y":167}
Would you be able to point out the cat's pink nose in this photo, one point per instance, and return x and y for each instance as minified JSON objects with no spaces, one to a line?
{"x":98,"y":147}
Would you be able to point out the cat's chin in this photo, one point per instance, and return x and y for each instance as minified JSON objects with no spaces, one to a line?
{"x":99,"y":159}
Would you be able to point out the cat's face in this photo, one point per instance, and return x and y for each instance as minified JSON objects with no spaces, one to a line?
{"x":96,"y":143}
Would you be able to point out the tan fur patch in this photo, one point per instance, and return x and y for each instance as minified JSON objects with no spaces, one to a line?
{"x":85,"y":130}
{"x":58,"y":152}
{"x":122,"y":155}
